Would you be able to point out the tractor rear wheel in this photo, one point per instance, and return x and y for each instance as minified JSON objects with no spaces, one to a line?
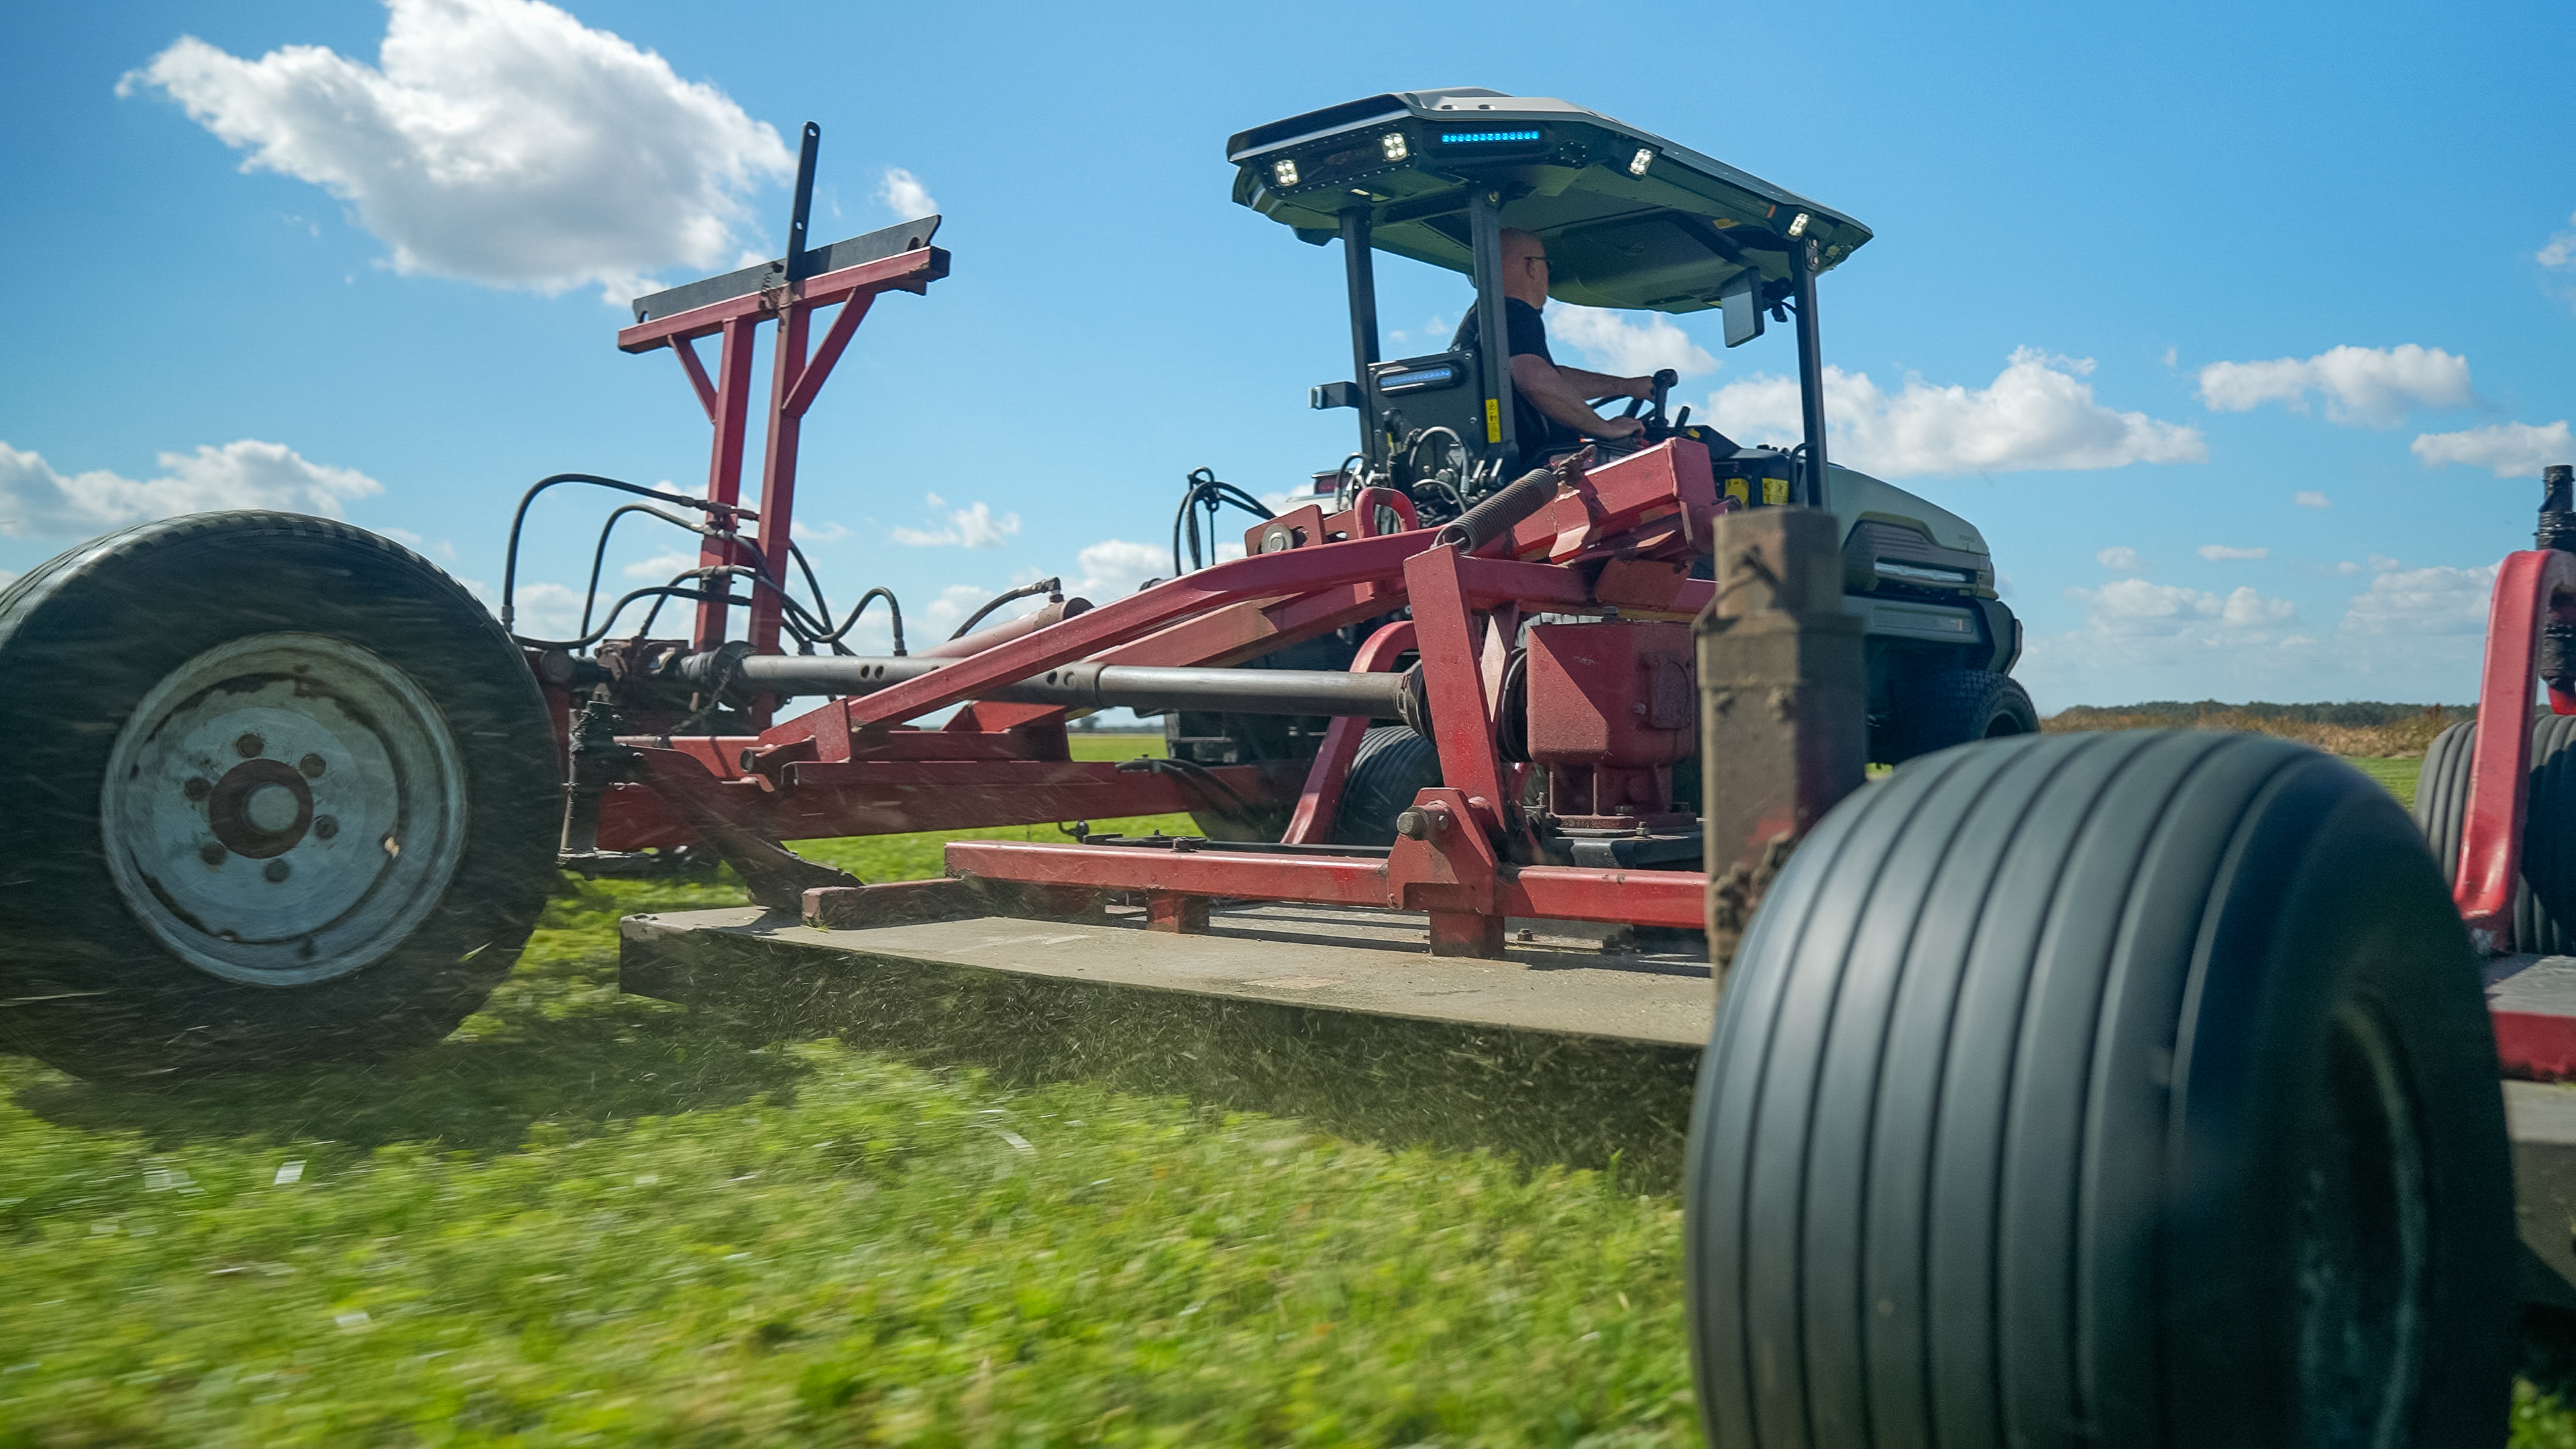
{"x":278,"y":789}
{"x":2545,"y":896}
{"x":2126,"y":1087}
{"x":1393,"y":765}
{"x":1957,"y":706}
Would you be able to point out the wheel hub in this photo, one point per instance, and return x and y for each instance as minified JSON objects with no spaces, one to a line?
{"x":284,"y":809}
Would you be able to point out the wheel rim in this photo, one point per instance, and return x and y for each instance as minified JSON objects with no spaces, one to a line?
{"x":283,"y":809}
{"x":2361,"y":1254}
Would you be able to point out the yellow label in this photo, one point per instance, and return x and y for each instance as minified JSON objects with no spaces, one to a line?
{"x":1493,"y":421}
{"x":1735,"y":489}
{"x":1775,"y":491}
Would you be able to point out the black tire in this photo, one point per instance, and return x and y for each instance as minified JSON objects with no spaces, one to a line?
{"x":2111,"y":1088}
{"x":2546,"y":895}
{"x":1956,"y":706}
{"x":1393,"y":765}
{"x":333,"y":643}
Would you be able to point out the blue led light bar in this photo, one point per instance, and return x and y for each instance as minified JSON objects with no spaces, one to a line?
{"x":1442,"y":373}
{"x":1467,"y":138}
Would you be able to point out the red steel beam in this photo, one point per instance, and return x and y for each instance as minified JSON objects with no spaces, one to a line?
{"x":910,"y":271}
{"x":1557,"y":893}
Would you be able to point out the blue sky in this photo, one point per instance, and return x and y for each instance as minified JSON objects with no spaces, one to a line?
{"x":2219,"y":320}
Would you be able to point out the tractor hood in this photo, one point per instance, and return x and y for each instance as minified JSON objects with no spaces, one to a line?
{"x":1630,"y":219}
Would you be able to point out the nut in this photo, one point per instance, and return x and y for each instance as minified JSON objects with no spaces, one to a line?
{"x":196,"y":789}
{"x":312,"y":766}
{"x":212,"y":852}
{"x":324,"y":827}
{"x":276,"y":870}
{"x":249,"y":746}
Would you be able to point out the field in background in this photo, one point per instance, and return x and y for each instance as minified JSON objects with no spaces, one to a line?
{"x":593,"y":1217}
{"x":2360,"y":729}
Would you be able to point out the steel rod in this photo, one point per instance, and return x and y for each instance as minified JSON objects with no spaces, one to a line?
{"x":1144,"y":688}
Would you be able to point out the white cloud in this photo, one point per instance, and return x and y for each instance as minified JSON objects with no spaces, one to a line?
{"x":904,"y":195}
{"x":1114,"y":568}
{"x":498,"y":141}
{"x":661,"y":567}
{"x":553,"y":611}
{"x":820,"y":531}
{"x":973,"y":526}
{"x":2361,"y":385}
{"x":2511,"y":449}
{"x":2560,"y":254}
{"x":1613,"y":344}
{"x":2220,"y":553}
{"x":2312,"y":499}
{"x":2134,"y":609}
{"x":36,"y":500}
{"x":2038,"y":413}
{"x":2120,"y":558}
{"x":2426,"y":601}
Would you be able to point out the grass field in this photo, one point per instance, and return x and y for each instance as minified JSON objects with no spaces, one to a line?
{"x":590,"y":1218}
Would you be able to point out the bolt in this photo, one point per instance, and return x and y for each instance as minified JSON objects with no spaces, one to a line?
{"x":1528,"y":935}
{"x":324,"y":827}
{"x":1413,"y":825}
{"x":212,"y":852}
{"x":249,"y":746}
{"x":195,"y":789}
{"x":312,"y":766}
{"x":276,"y":870}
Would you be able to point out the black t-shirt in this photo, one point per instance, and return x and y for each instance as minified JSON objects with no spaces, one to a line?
{"x":1537,"y":433}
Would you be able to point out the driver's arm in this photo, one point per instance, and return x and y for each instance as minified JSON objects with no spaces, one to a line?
{"x":1560,"y":392}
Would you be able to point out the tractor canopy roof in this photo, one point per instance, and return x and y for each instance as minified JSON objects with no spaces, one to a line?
{"x":1630,"y":219}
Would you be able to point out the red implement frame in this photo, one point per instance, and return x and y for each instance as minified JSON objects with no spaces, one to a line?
{"x":2533,"y":587}
{"x":1615,"y":538}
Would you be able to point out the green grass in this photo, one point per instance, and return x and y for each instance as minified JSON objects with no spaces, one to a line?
{"x":588,"y":1217}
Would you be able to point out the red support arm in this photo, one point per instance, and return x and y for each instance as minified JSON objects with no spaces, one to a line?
{"x":2528,"y":586}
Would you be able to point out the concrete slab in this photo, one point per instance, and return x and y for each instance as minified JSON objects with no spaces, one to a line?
{"x":1578,"y":1049}
{"x":1573,"y":1050}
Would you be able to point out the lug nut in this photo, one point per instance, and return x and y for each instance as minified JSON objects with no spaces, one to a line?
{"x":249,"y":746}
{"x":276,"y":870}
{"x":212,"y":852}
{"x":324,"y":827}
{"x":195,"y":789}
{"x":312,"y":767}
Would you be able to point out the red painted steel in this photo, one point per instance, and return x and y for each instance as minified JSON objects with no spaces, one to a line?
{"x":911,"y":271}
{"x":2535,"y":1046}
{"x":1446,"y":631}
{"x":2528,"y":586}
{"x":1547,"y":892}
{"x":1312,"y":823}
{"x":724,"y":464}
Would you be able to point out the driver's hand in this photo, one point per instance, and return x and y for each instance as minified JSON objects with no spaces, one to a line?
{"x":1641,"y":388}
{"x":1615,"y":428}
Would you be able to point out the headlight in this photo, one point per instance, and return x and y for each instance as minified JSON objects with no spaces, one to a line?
{"x":1285,"y":173}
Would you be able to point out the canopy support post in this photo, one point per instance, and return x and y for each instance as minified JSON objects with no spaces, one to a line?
{"x":1803,"y":265}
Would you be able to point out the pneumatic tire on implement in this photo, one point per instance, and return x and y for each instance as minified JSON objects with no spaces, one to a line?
{"x":2545,"y":896}
{"x":2118,"y":1088}
{"x":278,"y":790}
{"x":1393,"y":765}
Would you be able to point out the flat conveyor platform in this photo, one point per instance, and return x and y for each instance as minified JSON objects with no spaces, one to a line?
{"x":1581,"y":1048}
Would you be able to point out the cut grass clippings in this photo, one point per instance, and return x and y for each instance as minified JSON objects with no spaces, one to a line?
{"x":589,"y":1217}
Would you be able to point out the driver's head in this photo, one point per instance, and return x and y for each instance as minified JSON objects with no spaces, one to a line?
{"x":1524,"y":267}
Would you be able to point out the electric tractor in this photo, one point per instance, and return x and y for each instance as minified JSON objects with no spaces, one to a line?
{"x":1630,"y":221}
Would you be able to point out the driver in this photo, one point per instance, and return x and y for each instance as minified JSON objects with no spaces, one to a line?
{"x":1549,"y":411}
